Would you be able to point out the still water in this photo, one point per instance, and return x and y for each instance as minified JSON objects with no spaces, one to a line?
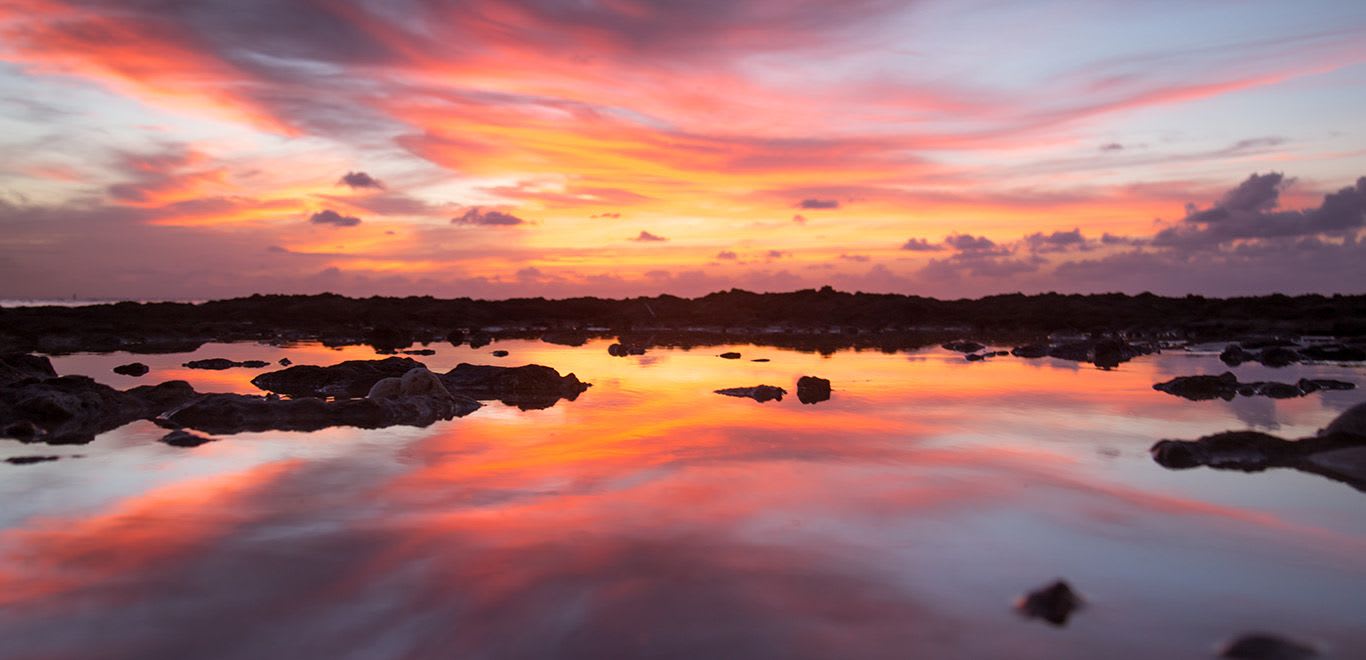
{"x":653,"y":518}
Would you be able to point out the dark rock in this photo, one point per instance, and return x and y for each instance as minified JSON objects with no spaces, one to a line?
{"x":1334,"y":353}
{"x":732,"y":355}
{"x":1352,"y":422}
{"x":963,"y":346}
{"x":624,"y":348}
{"x":30,"y":460}
{"x":1202,"y":388}
{"x":760,"y":393}
{"x":812,"y":389}
{"x":15,"y":367}
{"x":529,"y":387}
{"x":135,"y":369}
{"x":349,"y":379}
{"x":213,"y":364}
{"x":1278,"y":356}
{"x":1279,"y":390}
{"x":1030,"y":351}
{"x":974,"y":357}
{"x":235,"y":413}
{"x":1054,"y":603}
{"x":760,"y":360}
{"x":1261,"y":646}
{"x":1312,"y":384}
{"x":500,"y":353}
{"x":1234,"y":355}
{"x":254,"y":364}
{"x":568,"y":338}
{"x":183,"y":438}
{"x":480,"y":340}
{"x":420,"y":351}
{"x":1261,"y":343}
{"x":1335,"y":454}
{"x":285,"y":362}
{"x":1104,"y":353}
{"x":1001,"y":353}
{"x":74,"y":409}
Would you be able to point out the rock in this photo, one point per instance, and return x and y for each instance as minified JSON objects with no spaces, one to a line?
{"x":74,"y":409}
{"x":761,"y":360}
{"x":974,"y":357}
{"x":1334,"y":353}
{"x":15,"y":367}
{"x":1333,"y":454}
{"x":529,"y":387}
{"x":567,"y":338}
{"x":812,"y":389}
{"x":285,"y":362}
{"x":480,"y":340}
{"x":624,"y":348}
{"x":1105,"y":353}
{"x":500,"y":353}
{"x":213,"y":364}
{"x":135,"y":369}
{"x":1225,"y":386}
{"x":1352,"y":422}
{"x":963,"y":346}
{"x":254,"y":364}
{"x":1278,"y":356}
{"x":732,"y":355}
{"x":419,"y":351}
{"x":760,"y":393}
{"x":183,"y":438}
{"x":349,"y":379}
{"x":1234,"y":355}
{"x":1030,"y":351}
{"x":235,"y":413}
{"x":1054,"y":603}
{"x":30,"y":460}
{"x":1261,"y":646}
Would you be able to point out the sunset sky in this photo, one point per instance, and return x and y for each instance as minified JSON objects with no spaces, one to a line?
{"x":497,"y":148}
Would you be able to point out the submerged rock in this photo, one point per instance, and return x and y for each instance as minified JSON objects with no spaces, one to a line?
{"x":15,"y":367}
{"x":812,"y":389}
{"x":760,"y":393}
{"x":963,"y":346}
{"x":1262,"y":646}
{"x":185,"y":439}
{"x":1054,"y":603}
{"x":220,"y":364}
{"x":135,"y":369}
{"x":528,"y":387}
{"x":1226,"y":386}
{"x":349,"y":379}
{"x":1337,"y":453}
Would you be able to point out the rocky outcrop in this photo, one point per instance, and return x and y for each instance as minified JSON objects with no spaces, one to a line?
{"x":963,"y":346}
{"x":1338,"y":452}
{"x":1054,"y":603}
{"x":15,"y":367}
{"x":224,"y":414}
{"x":220,"y":364}
{"x":134,"y":369}
{"x":349,"y":379}
{"x":1105,"y":353}
{"x":1283,"y":353}
{"x":1226,"y":386}
{"x":529,"y":387}
{"x":760,"y":393}
{"x":812,"y":389}
{"x":74,"y":409}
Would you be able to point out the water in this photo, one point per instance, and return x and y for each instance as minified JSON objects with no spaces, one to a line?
{"x":653,"y":518}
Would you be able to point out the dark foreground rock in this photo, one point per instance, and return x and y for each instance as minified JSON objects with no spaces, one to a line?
{"x":1054,"y":603}
{"x":760,"y":393}
{"x":20,"y":366}
{"x":812,"y":389}
{"x":1262,"y":646}
{"x":220,"y":364}
{"x":74,"y":409}
{"x":350,"y":379}
{"x":224,"y":414}
{"x":529,"y":387}
{"x":1338,"y":452}
{"x":134,"y":369}
{"x":1226,"y":386}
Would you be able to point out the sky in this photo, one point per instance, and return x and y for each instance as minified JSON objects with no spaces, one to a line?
{"x":201,"y":149}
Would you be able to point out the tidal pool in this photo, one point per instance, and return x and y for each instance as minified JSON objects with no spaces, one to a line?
{"x":653,"y":518}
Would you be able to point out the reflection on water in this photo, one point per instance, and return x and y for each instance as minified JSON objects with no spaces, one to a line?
{"x":654,"y":518}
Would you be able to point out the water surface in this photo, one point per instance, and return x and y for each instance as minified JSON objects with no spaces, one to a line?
{"x":653,"y":518}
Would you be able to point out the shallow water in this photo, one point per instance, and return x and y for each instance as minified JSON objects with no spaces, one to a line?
{"x":653,"y":518}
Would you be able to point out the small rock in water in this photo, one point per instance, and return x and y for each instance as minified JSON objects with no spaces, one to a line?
{"x":134,"y":369}
{"x":1261,"y":646}
{"x":285,"y":362}
{"x":500,"y":353}
{"x":963,"y":346}
{"x":1053,"y":603}
{"x":760,"y":393}
{"x":812,"y":389}
{"x":183,"y":438}
{"x":253,"y":364}
{"x":760,"y":360}
{"x":732,"y":355}
{"x":30,"y":460}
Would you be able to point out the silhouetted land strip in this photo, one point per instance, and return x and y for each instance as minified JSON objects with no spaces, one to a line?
{"x":822,"y":319}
